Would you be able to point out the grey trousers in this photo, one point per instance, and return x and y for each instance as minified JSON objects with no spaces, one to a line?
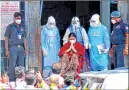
{"x":16,"y":58}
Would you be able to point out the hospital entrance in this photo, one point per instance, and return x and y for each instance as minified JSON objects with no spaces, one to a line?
{"x":63,"y":11}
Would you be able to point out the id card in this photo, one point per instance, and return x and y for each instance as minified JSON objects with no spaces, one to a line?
{"x":19,"y":36}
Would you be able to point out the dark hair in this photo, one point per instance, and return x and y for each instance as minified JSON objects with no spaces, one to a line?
{"x":68,"y":83}
{"x":72,"y":34}
{"x":56,"y":71}
{"x":30,"y":78}
{"x":68,"y":80}
{"x":56,"y":68}
{"x":16,"y":14}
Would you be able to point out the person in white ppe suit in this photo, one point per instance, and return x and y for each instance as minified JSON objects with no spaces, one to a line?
{"x":99,"y":44}
{"x":80,"y":32}
{"x":50,"y":42}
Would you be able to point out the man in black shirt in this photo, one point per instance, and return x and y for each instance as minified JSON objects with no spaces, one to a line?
{"x":15,"y":44}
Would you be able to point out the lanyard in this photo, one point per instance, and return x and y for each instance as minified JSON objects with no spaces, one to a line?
{"x":18,"y":29}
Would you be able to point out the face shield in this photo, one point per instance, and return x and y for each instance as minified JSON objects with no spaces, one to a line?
{"x":94,"y":21}
{"x":75,"y":22}
{"x":51,"y":23}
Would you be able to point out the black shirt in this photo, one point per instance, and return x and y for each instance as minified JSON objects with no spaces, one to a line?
{"x":118,"y":33}
{"x":12,"y":32}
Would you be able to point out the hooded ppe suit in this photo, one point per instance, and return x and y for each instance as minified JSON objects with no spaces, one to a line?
{"x":98,"y":37}
{"x":50,"y":41}
{"x":81,"y":35}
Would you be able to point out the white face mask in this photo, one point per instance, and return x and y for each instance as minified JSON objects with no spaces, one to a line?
{"x":72,"y":41}
{"x":51,"y":26}
{"x":75,"y":22}
{"x":18,"y":21}
{"x":75,"y":26}
{"x":113,"y":21}
{"x":91,"y":24}
{"x":51,"y":23}
{"x":95,"y":21}
{"x":94,"y":24}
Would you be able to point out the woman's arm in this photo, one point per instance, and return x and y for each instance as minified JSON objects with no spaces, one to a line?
{"x":65,"y":48}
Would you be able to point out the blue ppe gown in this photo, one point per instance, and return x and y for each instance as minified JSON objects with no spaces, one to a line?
{"x":98,"y":35}
{"x":50,"y":40}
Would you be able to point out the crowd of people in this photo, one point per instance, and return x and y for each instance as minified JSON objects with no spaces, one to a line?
{"x":61,"y":65}
{"x":32,"y":79}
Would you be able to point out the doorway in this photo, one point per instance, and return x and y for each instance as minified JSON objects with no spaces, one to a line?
{"x":63,"y":11}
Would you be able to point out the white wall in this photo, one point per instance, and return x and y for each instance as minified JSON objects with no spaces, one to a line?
{"x":123,"y":8}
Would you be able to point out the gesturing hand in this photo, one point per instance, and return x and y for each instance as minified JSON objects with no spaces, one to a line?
{"x":125,"y":51}
{"x":7,"y":53}
{"x":72,"y":46}
{"x":69,"y":49}
{"x":26,"y":51}
{"x":39,"y":76}
{"x":111,"y":52}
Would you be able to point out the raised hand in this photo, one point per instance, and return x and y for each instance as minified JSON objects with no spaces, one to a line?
{"x":72,"y":46}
